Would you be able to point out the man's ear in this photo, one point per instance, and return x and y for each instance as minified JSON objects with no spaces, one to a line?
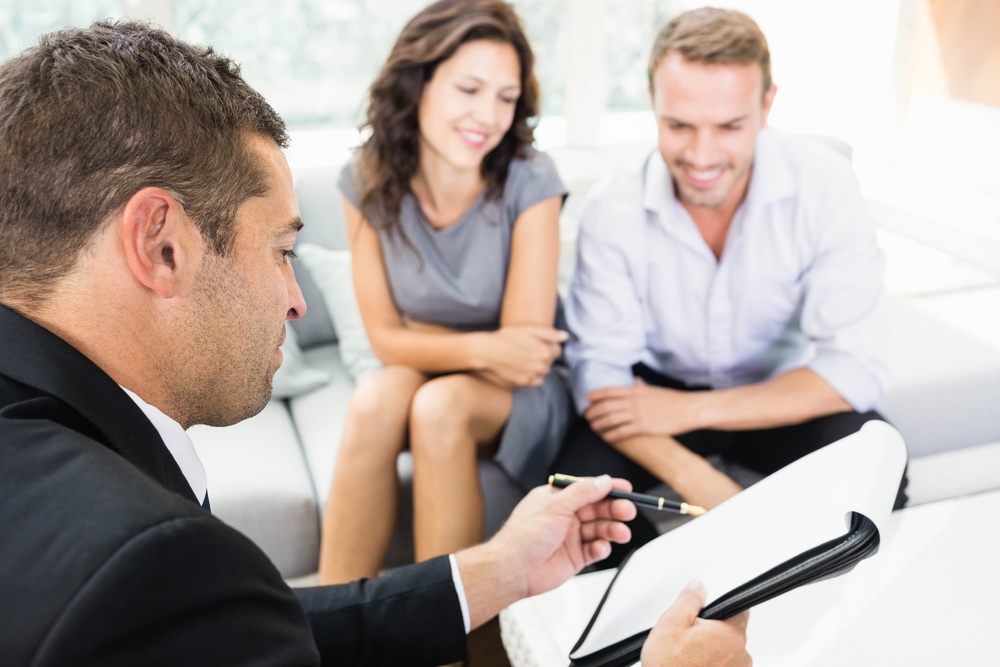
{"x":160,"y":242}
{"x":768,"y":101}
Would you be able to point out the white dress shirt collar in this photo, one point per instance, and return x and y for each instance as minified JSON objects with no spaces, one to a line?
{"x":178,"y":444}
{"x":658,"y":185}
{"x":772,"y":179}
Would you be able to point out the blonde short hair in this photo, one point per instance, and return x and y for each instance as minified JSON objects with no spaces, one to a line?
{"x":713,"y":36}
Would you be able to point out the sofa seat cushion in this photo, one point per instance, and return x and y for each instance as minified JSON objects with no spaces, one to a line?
{"x":959,"y":472}
{"x":944,"y":385}
{"x":258,"y":483}
{"x":319,"y":416}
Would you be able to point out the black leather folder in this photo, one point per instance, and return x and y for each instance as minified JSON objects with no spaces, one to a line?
{"x":816,"y":518}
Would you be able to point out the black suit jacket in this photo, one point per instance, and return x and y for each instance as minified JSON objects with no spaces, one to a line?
{"x":106,"y":558}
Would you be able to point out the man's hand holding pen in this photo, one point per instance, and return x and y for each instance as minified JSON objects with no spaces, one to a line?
{"x":550,"y":536}
{"x":554,"y":533}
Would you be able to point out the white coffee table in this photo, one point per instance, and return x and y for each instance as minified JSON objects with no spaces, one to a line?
{"x":930,"y":597}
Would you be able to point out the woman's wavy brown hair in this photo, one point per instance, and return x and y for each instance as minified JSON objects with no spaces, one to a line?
{"x":390,"y":154}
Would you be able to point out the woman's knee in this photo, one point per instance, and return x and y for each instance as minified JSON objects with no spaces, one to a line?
{"x":441,"y":405}
{"x":385,"y":393}
{"x":455,"y":413}
{"x":378,"y":410}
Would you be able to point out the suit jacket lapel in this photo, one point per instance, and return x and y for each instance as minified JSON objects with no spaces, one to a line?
{"x":38,"y":358}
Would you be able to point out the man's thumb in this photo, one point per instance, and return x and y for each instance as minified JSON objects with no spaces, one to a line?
{"x":585,"y":492}
{"x":689,"y":603}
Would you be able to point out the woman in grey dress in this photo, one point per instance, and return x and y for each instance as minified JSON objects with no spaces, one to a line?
{"x":453,"y":222}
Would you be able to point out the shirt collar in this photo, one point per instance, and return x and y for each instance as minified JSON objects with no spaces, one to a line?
{"x":178,"y":444}
{"x":658,"y":186}
{"x":772,"y":179}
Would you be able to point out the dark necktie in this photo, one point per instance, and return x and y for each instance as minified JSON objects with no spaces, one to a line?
{"x":207,"y":505}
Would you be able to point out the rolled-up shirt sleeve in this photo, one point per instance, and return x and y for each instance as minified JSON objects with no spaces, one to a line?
{"x":604,"y":309}
{"x":844,"y":308}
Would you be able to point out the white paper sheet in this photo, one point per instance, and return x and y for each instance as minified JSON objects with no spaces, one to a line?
{"x":799,"y":507}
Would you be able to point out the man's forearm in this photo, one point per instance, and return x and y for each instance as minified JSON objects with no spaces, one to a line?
{"x":790,"y":398}
{"x":685,"y":472}
{"x":489,"y":586}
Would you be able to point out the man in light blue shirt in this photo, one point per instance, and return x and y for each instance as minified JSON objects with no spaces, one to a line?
{"x":727,"y":298}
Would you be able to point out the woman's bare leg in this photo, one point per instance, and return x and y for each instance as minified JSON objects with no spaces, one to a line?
{"x":361,"y":510}
{"x":451,"y":419}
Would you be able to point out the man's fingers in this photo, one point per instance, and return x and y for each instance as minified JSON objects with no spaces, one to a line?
{"x":617,"y":510}
{"x":689,"y":603}
{"x":587,"y":491}
{"x":599,"y":395}
{"x":605,"y":529}
{"x":607,"y":415}
{"x":606,"y":422}
{"x":619,"y":433}
{"x":596,"y":410}
{"x":584,"y":498}
{"x":595,"y":551}
{"x":621,"y":484}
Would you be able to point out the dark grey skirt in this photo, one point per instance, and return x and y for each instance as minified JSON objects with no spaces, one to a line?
{"x":538,"y":422}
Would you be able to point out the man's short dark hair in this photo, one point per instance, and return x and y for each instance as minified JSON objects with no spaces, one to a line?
{"x":88,"y":117}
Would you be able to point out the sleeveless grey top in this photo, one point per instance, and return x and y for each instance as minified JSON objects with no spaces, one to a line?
{"x":455,"y":276}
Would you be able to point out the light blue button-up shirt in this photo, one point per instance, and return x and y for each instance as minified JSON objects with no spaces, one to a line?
{"x":799,"y":282}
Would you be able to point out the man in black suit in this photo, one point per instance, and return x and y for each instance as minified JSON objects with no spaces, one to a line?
{"x":147,"y":219}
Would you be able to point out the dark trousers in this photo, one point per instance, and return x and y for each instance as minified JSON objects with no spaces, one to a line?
{"x":764,"y":451}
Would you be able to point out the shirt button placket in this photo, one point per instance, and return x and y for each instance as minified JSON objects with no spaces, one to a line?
{"x":718,"y":327}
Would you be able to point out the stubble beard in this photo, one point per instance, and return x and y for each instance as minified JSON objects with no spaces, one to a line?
{"x":709,"y":198}
{"x":227,"y":374}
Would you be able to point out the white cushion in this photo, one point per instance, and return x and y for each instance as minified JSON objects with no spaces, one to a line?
{"x":944,"y":386}
{"x":960,"y":472}
{"x":331,"y":272}
{"x":295,"y":376}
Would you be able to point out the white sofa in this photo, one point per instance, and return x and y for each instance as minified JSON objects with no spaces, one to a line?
{"x":269,"y":475}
